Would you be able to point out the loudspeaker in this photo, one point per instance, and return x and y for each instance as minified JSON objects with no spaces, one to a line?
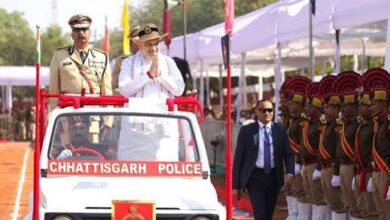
{"x":169,"y":4}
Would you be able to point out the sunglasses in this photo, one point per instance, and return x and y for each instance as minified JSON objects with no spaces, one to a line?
{"x":80,"y":29}
{"x":264,"y":110}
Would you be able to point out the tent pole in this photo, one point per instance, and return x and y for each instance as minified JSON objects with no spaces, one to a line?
{"x":311,"y":50}
{"x":201,"y":89}
{"x":337,"y":48}
{"x":221,"y":101}
{"x":278,"y":79}
{"x":364,"y":57}
{"x":208,"y":103}
{"x":387,"y":55}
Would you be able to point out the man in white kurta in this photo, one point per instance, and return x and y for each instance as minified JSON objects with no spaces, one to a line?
{"x":152,"y":75}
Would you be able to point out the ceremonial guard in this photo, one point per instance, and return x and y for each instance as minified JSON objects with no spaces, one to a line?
{"x":327,"y":146}
{"x":309,"y":152}
{"x":292,"y":203}
{"x":347,"y":85}
{"x":79,"y":69}
{"x":296,"y":89}
{"x":363,"y":158}
{"x":378,"y":80}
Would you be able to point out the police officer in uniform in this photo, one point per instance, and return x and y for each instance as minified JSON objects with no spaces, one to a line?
{"x":363,"y":158}
{"x":296,"y":88}
{"x":292,"y":203}
{"x":347,"y":85}
{"x":327,"y":146}
{"x":309,"y":152}
{"x":133,"y":41}
{"x":379,"y":83}
{"x":79,"y":68}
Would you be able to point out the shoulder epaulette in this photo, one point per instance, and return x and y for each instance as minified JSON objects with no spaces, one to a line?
{"x":63,"y":48}
{"x":339,"y":121}
{"x":98,"y":50}
{"x":303,"y":115}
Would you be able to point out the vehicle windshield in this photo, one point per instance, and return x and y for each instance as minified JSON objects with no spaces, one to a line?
{"x":133,"y":137}
{"x":122,"y":138}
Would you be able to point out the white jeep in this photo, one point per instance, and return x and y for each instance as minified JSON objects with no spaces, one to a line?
{"x":150,"y":153}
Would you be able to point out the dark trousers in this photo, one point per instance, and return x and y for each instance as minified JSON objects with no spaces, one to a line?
{"x":263,"y":193}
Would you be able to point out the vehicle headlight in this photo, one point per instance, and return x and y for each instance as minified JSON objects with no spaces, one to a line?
{"x":63,"y":217}
{"x":201,"y":218}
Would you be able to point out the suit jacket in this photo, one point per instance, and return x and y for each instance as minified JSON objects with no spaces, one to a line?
{"x":247,"y":151}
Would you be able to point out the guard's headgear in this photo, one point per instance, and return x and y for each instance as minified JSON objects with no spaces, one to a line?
{"x":377,"y":82}
{"x":312,"y":94}
{"x":347,"y":85}
{"x":283,"y":89}
{"x":325,"y":89}
{"x":296,"y":89}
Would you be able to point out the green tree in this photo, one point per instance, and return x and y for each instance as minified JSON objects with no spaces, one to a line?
{"x":16,"y":40}
{"x":52,"y":39}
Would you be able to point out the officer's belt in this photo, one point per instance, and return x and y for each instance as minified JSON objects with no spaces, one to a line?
{"x":90,"y":85}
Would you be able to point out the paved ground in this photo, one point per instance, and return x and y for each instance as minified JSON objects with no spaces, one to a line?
{"x":16,"y":182}
{"x":240,"y":213}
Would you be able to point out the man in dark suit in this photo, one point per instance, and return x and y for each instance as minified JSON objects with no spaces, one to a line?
{"x":262,"y":150}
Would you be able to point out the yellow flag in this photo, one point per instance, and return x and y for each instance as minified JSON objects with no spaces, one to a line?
{"x":126,"y":28}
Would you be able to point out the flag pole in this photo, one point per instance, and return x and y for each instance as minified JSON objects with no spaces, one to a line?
{"x":37,"y":149}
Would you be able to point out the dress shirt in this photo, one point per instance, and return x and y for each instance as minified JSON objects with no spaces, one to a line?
{"x":260,"y":156}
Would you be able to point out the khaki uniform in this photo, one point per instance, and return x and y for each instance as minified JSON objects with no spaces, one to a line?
{"x":115,"y":74}
{"x":309,"y":154}
{"x":294,"y":132}
{"x":66,"y":73}
{"x":363,"y":161}
{"x":345,"y":155}
{"x":381,"y":156}
{"x":329,"y":166}
{"x":70,"y":75}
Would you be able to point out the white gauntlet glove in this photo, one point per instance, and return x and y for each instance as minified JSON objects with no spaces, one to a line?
{"x":316,"y":174}
{"x":335,"y":181}
{"x":65,"y":154}
{"x":297,"y":169}
{"x":370,"y":187}
{"x":388,"y":193}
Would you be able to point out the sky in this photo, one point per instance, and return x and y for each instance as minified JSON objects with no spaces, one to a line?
{"x":39,"y":12}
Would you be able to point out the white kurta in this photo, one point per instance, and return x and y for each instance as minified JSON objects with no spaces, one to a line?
{"x":147,"y":138}
{"x":134,"y":80}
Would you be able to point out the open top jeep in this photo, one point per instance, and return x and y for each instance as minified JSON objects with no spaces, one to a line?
{"x":144,"y":160}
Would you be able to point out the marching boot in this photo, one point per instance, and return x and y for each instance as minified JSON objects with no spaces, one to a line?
{"x":304,"y":211}
{"x":292,"y":208}
{"x":339,"y":216}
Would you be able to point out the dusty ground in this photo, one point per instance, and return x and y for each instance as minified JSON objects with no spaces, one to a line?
{"x":12,"y":155}
{"x":14,"y":207}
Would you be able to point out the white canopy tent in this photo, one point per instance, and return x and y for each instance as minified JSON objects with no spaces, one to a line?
{"x":19,"y":76}
{"x":278,"y":31}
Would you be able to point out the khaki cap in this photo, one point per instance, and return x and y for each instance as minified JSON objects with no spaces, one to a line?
{"x":80,"y":21}
{"x":150,"y":32}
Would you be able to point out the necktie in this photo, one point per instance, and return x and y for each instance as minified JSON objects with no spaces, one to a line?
{"x":267,"y":151}
{"x":83,"y":55}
